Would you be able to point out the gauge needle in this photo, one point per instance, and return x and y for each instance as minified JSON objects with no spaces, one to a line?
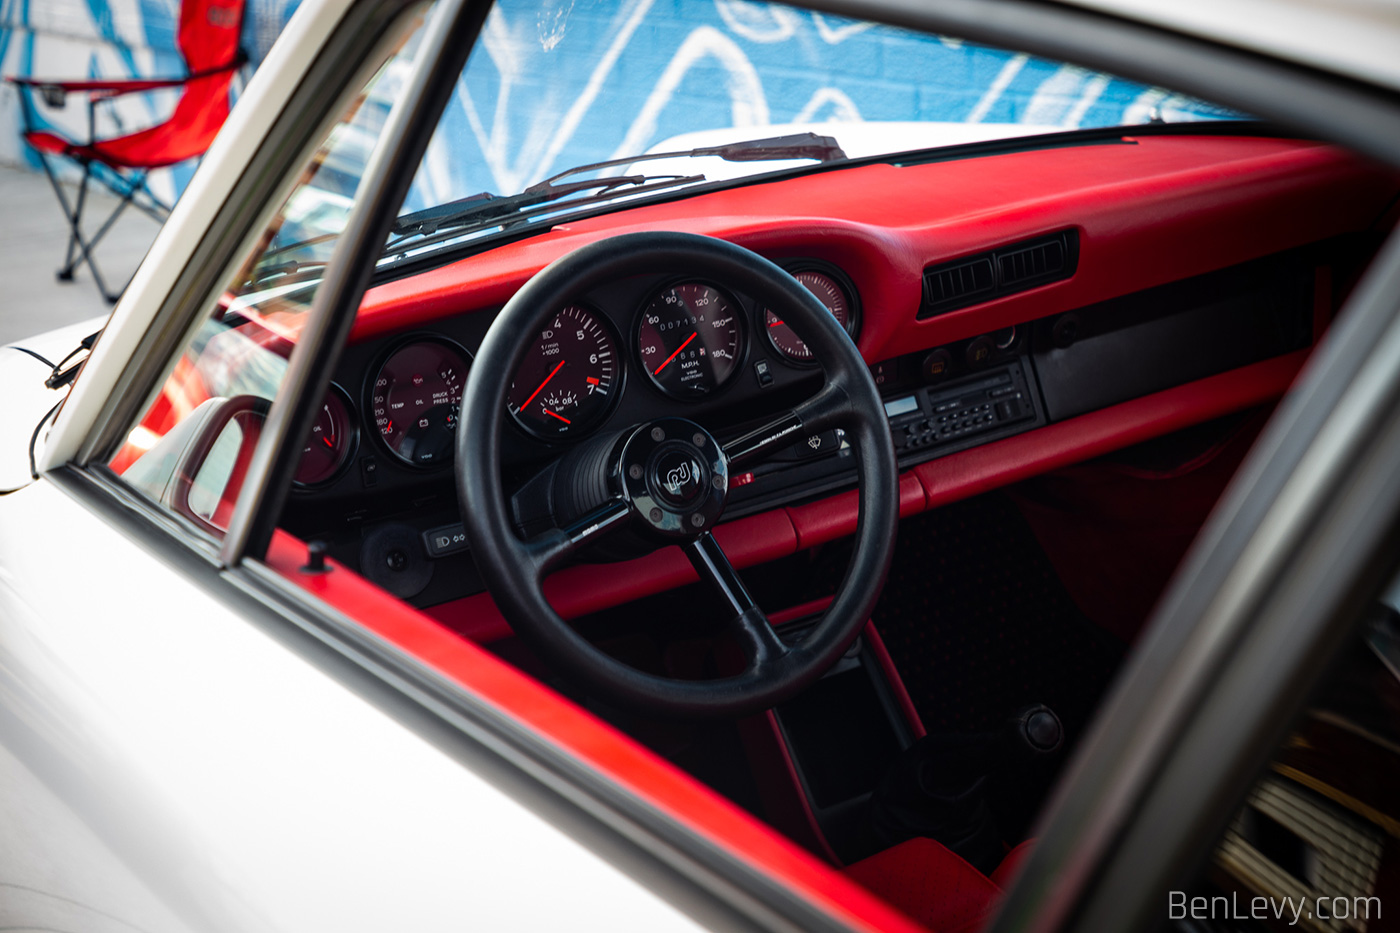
{"x":658,"y":369}
{"x":553,"y":415}
{"x":775,"y":323}
{"x":329,"y":443}
{"x":542,"y":385}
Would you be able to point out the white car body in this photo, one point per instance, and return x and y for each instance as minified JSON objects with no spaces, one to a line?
{"x":149,"y":780}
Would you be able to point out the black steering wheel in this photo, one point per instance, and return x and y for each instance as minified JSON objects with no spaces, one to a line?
{"x":667,"y":481}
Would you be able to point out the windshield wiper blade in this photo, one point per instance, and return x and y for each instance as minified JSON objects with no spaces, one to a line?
{"x":772,"y":149}
{"x":486,"y":208}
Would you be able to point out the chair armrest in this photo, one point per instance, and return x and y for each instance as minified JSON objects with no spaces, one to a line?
{"x":56,"y":92}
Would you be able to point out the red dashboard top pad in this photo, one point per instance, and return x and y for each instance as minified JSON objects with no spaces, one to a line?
{"x":1149,"y":210}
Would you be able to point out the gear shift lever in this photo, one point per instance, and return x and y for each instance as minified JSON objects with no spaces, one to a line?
{"x":943,"y":786}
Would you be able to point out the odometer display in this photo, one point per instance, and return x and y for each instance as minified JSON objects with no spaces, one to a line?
{"x":829,"y":294}
{"x":568,"y":380}
{"x":415,"y":399}
{"x":690,"y":339}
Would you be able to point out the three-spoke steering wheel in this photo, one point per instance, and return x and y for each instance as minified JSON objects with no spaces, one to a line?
{"x":667,"y":480}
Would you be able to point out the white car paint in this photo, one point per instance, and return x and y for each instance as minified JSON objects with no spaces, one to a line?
{"x":27,"y":400}
{"x":204,"y":776}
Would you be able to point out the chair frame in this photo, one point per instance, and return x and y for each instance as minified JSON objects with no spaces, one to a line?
{"x":128,"y":183}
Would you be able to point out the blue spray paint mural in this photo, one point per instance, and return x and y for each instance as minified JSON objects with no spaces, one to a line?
{"x":555,"y":83}
{"x":561,"y":82}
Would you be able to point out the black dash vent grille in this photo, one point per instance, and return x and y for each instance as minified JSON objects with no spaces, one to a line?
{"x":1013,"y":268}
{"x":963,"y":281}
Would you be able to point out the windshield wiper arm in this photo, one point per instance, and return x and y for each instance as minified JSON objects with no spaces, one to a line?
{"x":489,"y":207}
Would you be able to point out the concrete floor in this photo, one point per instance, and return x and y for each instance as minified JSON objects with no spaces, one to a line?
{"x":33,"y":237}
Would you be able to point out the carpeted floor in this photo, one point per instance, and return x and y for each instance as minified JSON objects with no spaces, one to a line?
{"x":978,"y":624}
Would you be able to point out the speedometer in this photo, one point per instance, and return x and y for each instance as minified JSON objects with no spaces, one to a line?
{"x":569,"y":378}
{"x":690,"y":339}
{"x":415,"y":398}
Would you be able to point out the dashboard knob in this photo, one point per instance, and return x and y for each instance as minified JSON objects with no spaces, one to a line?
{"x":1065,"y":331}
{"x":979,"y":351}
{"x":936,"y":365}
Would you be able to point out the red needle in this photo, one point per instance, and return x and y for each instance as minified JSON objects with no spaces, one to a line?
{"x":775,"y":323}
{"x":542,"y":385}
{"x":658,"y":369}
{"x":329,"y":443}
{"x":553,"y":415}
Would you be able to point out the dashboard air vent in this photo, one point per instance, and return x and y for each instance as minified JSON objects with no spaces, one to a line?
{"x":960,"y":282}
{"x":1040,"y":261}
{"x":1013,"y":268}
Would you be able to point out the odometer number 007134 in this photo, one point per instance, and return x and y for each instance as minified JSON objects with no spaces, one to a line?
{"x":690,"y":339}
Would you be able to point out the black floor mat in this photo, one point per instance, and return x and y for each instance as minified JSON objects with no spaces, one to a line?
{"x":978,"y":624}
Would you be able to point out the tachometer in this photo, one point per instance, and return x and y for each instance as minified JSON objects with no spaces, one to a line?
{"x":415,"y":398}
{"x":690,"y":339}
{"x":829,"y":293}
{"x":568,"y":380}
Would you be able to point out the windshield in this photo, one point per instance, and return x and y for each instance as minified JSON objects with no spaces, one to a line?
{"x":568,"y":83}
{"x":555,"y":85}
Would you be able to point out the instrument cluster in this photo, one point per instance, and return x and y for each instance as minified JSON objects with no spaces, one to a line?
{"x":687,"y":340}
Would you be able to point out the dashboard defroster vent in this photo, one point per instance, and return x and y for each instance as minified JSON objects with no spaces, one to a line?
{"x":1013,"y":268}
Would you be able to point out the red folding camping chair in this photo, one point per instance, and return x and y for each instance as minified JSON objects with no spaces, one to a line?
{"x":208,"y":39}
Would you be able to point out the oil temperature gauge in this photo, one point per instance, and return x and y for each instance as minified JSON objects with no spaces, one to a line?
{"x":830,"y":294}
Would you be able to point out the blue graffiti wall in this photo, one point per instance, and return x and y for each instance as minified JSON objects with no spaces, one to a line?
{"x":554,"y":83}
{"x":561,"y":82}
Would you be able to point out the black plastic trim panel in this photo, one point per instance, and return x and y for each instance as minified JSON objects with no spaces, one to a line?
{"x":1016,"y":267}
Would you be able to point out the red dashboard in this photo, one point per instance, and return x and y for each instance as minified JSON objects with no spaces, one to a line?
{"x":1145,"y":212}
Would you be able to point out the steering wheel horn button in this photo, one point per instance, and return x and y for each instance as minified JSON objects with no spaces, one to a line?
{"x":676,"y":477}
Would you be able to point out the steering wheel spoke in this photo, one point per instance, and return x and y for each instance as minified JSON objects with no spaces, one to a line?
{"x":760,"y":643}
{"x":827,"y":409}
{"x":552,"y":549}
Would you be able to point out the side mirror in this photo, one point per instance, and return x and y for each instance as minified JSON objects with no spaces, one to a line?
{"x":198,"y":469}
{"x":211,"y":469}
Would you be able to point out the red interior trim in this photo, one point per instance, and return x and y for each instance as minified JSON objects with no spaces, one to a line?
{"x":990,"y":466}
{"x":800,"y":611}
{"x":583,"y":589}
{"x":588,"y":740}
